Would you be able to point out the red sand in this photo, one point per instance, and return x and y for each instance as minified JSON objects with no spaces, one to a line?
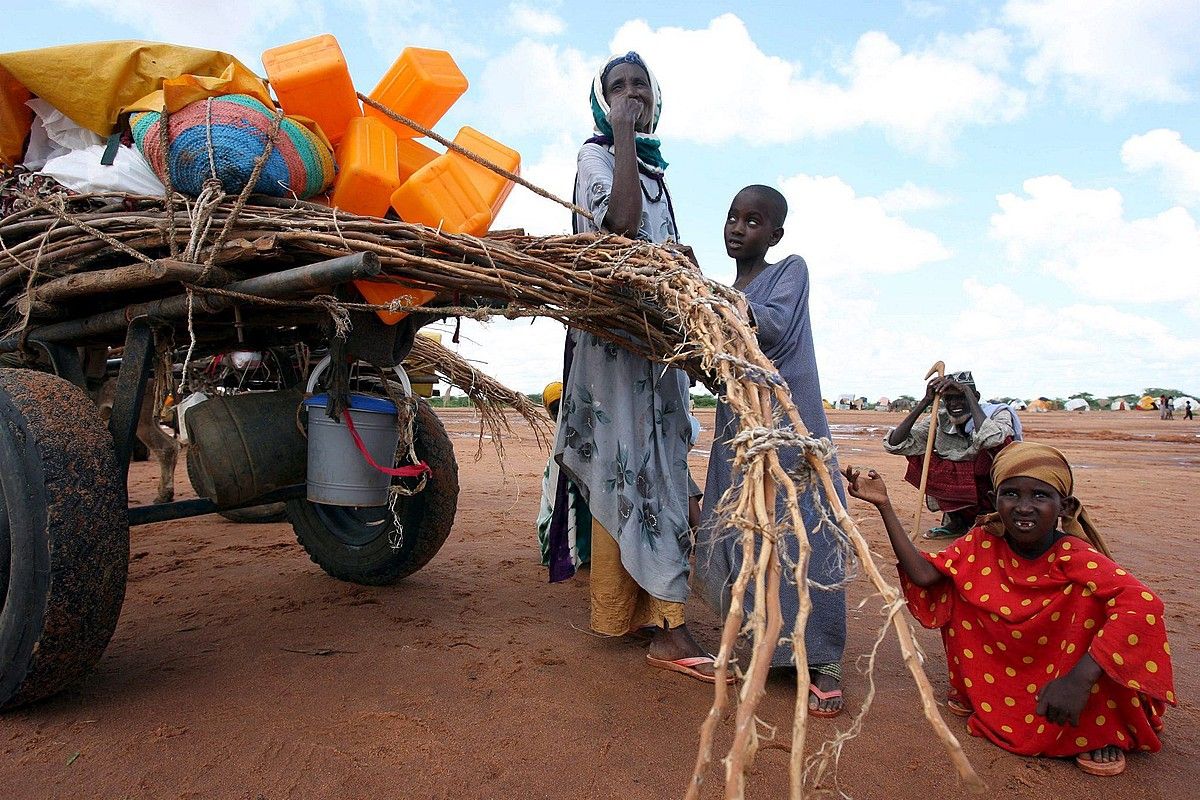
{"x":240,"y":670}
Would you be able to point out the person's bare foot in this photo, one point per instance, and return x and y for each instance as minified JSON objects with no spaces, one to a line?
{"x":826,"y":683}
{"x":672,"y":644}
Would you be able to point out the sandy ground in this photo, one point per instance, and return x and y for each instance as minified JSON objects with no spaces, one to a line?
{"x":240,"y":670}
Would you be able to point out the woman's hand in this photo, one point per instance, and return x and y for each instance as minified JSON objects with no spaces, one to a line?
{"x":870,"y":488}
{"x":1061,"y":701}
{"x":624,"y":113}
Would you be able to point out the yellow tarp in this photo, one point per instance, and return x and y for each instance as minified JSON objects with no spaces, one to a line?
{"x":93,"y":83}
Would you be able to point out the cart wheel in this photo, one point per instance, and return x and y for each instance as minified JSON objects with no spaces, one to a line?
{"x":355,"y":543}
{"x":64,"y":536}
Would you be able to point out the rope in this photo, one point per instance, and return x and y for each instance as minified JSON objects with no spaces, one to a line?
{"x":759,"y":440}
{"x":483,"y":162}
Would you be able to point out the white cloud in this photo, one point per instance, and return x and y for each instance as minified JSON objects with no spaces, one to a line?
{"x":522,"y":354}
{"x":549,"y":99}
{"x":1164,"y":150}
{"x":524,"y":18}
{"x":554,"y":171}
{"x":911,"y":197}
{"x":923,"y":9}
{"x":212,"y":24}
{"x":720,"y":86}
{"x":1109,"y":53}
{"x":842,"y":234}
{"x":1083,"y":237}
{"x":392,"y":25}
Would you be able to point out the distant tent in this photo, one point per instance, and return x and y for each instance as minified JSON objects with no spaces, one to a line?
{"x":1041,"y":405}
{"x":901,"y":404}
{"x":1119,"y":405}
{"x":1019,"y":405}
{"x":1180,"y":402}
{"x":882,"y":402}
{"x":845,"y":401}
{"x":1147,"y":403}
{"x":1077,"y":404}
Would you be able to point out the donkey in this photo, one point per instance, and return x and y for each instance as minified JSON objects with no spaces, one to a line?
{"x":163,"y":448}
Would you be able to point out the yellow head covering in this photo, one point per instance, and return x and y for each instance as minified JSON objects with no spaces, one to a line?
{"x":551,"y":393}
{"x":1046,"y":464}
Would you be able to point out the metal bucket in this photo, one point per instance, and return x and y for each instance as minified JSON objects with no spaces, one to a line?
{"x":339,"y":473}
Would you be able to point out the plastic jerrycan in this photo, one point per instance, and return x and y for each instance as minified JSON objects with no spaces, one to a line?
{"x":441,"y":195}
{"x":311,"y":79}
{"x":368,"y":168}
{"x":412,"y":155}
{"x":421,"y":85}
{"x":15,"y":118}
{"x":492,"y":186}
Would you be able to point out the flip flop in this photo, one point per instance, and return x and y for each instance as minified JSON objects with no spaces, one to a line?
{"x":820,"y":695}
{"x":958,"y":707}
{"x":687,"y":666}
{"x":940,"y":532}
{"x":1105,"y":769}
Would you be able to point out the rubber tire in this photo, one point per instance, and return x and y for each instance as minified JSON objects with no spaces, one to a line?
{"x":427,"y":518}
{"x":65,"y":514}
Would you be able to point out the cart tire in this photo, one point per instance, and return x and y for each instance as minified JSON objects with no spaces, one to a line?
{"x":354,"y":544}
{"x":64,"y":536}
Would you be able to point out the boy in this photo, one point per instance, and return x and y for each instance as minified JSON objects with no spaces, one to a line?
{"x":969,"y":434}
{"x":777,"y":296}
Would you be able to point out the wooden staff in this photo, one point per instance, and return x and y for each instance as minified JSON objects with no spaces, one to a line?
{"x":940,"y":369}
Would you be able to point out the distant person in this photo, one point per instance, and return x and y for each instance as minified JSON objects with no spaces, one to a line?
{"x":1052,"y":648}
{"x":1187,"y":409}
{"x":778,"y":298}
{"x":578,"y":522}
{"x":1162,"y":407}
{"x":969,"y":434}
{"x":1170,"y":408}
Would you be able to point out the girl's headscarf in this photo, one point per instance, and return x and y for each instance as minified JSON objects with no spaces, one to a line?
{"x":649,"y":158}
{"x":1046,"y":464}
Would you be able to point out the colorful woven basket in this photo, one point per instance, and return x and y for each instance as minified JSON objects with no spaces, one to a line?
{"x":222,"y":137}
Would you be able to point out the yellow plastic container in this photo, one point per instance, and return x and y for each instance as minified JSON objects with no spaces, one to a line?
{"x":492,"y":187}
{"x":311,"y":79}
{"x":15,"y":118}
{"x":368,"y":168}
{"x":412,"y":155}
{"x":421,"y":85}
{"x":441,"y":195}
{"x":380,"y":292}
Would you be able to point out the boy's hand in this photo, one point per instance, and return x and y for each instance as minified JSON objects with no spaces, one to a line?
{"x":1061,"y":701}
{"x":870,"y":488}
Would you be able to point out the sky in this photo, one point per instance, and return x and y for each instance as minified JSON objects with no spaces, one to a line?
{"x":1011,"y":187}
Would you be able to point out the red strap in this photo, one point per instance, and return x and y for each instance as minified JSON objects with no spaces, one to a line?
{"x":412,"y":471}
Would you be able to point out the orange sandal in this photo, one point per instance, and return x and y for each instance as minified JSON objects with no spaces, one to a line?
{"x":1105,"y":769}
{"x":832,"y":694}
{"x":687,"y":666}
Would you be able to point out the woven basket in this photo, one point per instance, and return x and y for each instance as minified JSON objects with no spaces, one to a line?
{"x":222,"y":137}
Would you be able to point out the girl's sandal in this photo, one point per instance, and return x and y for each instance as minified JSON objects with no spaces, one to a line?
{"x":958,"y":706}
{"x":1105,"y":769}
{"x":941,"y":532}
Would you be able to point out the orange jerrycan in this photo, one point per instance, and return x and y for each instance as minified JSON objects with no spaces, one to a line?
{"x":421,"y":85}
{"x":311,"y":79}
{"x":381,"y":292}
{"x":441,"y":195}
{"x":412,"y":156}
{"x":15,"y":118}
{"x":492,"y":187}
{"x":368,"y":168}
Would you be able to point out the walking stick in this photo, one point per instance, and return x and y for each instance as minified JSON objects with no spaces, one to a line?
{"x":940,"y":369}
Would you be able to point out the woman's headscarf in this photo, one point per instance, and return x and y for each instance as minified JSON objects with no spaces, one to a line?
{"x":648,"y":155}
{"x":1046,"y":464}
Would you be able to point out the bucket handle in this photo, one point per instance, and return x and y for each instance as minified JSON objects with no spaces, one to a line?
{"x":323,"y":364}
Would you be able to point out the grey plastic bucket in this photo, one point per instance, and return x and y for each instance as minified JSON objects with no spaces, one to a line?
{"x":338,"y":473}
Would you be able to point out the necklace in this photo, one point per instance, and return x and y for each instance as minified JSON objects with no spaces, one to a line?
{"x":646,"y":194}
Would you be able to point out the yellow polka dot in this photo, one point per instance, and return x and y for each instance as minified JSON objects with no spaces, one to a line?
{"x":1081,"y":741}
{"x":1114,"y":617}
{"x":1031,"y":579}
{"x":966,"y":624}
{"x":968,"y":682}
{"x":1016,"y":634}
{"x":924,"y":593}
{"x":987,"y":676}
{"x":983,"y":598}
{"x":1147,"y":596}
{"x":1010,"y":672}
{"x":1089,"y":623}
{"x":956,"y":660}
{"x":1150,"y":620}
{"x":993,"y":617}
{"x":1065,"y":558}
{"x":985,"y":571}
{"x":1132,"y":639}
{"x":1134,"y":685}
{"x":986,"y":707}
{"x":987,"y":648}
{"x":1042,"y":640}
{"x":1051,"y":557}
{"x":1144,"y":748}
{"x":1121,"y":571}
{"x":1095,"y":688}
{"x":1049,"y":668}
{"x":1167,"y":648}
{"x":1027,"y":659}
{"x":1026,"y":602}
{"x":1006,"y":729}
{"x":945,"y":596}
{"x":1120,"y":736}
{"x":1004,"y":586}
{"x":1031,"y":688}
{"x":1005,"y":610}
{"x":1092,"y":565}
{"x":1151,"y":667}
{"x":1002,"y":646}
{"x":1029,"y":719}
{"x":1008,"y":701}
{"x":1111,"y":602}
{"x":1135,"y":702}
{"x":1170,"y":696}
{"x":971,"y":558}
{"x":1070,"y":588}
{"x":1066,"y":545}
{"x":968,"y":653}
{"x":1071,"y":648}
{"x":1099,"y":633}
{"x":985,"y":544}
{"x":1046,"y":602}
{"x":1111,"y":703}
{"x":950,"y":631}
{"x":1100,"y":719}
{"x":1054,"y":617}
{"x":970,"y":536}
{"x":954,"y":570}
{"x":1041,"y":729}
{"x":967,"y":586}
{"x":1118,"y":659}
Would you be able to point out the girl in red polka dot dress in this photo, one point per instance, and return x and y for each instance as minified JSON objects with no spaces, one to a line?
{"x":1053,"y":648}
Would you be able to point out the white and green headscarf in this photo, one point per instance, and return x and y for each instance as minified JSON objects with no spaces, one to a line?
{"x":649,"y":157}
